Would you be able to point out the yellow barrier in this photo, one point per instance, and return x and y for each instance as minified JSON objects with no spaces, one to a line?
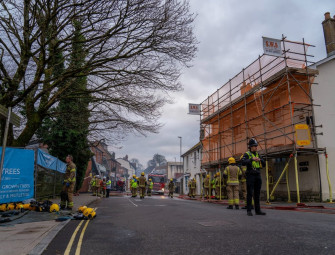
{"x":329,"y":183}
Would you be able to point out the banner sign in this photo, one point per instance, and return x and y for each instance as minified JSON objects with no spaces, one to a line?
{"x":272,"y":46}
{"x":194,"y":109}
{"x":17,"y":183}
{"x":47,"y":161}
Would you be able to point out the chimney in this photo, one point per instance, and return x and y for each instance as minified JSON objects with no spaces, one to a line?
{"x":329,"y":32}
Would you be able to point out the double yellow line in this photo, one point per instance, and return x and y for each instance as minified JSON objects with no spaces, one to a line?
{"x":80,"y":241}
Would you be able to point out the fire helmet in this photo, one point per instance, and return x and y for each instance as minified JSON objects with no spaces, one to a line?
{"x":82,"y":208}
{"x":231,"y":160}
{"x":54,"y":208}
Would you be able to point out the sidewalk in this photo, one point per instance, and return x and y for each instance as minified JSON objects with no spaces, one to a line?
{"x":22,"y":237}
{"x":319,"y":207}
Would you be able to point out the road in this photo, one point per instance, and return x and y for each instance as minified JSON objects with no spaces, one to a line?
{"x":161,"y":225}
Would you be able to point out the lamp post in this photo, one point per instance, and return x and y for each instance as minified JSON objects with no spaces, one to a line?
{"x":180,"y":145}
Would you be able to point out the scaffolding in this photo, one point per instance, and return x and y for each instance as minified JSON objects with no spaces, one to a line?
{"x":265,"y":101}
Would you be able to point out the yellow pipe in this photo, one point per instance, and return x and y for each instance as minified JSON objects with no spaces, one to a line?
{"x":296,"y":177}
{"x":288,"y":189}
{"x":329,"y":184}
{"x":267,"y":182}
{"x":220,"y":185}
{"x":280,"y":177}
{"x":201,"y":186}
{"x":210,"y":186}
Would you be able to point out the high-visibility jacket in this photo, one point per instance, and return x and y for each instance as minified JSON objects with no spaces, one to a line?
{"x":213,"y":184}
{"x":151,"y":185}
{"x":253,"y":167}
{"x":70,"y":173}
{"x":193,"y":184}
{"x":232,"y":173}
{"x":206,"y":183}
{"x":109,"y":184}
{"x":142,"y":181}
{"x":134,"y":184}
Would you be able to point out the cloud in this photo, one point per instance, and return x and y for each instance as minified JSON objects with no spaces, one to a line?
{"x":230,"y":35}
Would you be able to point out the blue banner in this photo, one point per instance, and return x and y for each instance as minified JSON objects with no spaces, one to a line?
{"x":17,"y":182}
{"x":46,"y":160}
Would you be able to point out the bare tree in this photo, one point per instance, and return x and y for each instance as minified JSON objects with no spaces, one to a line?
{"x":134,"y":50}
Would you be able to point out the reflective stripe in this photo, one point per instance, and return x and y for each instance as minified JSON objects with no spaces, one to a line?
{"x":255,"y":164}
{"x":73,"y":170}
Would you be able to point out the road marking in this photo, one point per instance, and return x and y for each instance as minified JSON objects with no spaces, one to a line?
{"x":68,"y":248}
{"x":80,"y":241}
{"x":132,"y":202}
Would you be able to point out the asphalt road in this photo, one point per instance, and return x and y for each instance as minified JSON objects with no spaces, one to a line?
{"x":161,"y":225}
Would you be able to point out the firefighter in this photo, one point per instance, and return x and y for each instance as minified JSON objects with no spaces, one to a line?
{"x":171,"y":188}
{"x":206,"y":186}
{"x":254,"y":164}
{"x":134,"y":186}
{"x":108,"y":186}
{"x":68,"y":184}
{"x":243,"y":184}
{"x":189,"y":187}
{"x":93,"y":185}
{"x":232,"y":173}
{"x":131,"y":184}
{"x":217,"y":186}
{"x":150,"y":187}
{"x":142,"y":181}
{"x":103,"y":187}
{"x":193,"y":187}
{"x":213,"y":186}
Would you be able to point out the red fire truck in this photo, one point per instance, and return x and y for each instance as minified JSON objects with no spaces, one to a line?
{"x":159,"y":181}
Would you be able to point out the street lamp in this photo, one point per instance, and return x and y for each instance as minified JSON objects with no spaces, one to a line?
{"x":180,"y":145}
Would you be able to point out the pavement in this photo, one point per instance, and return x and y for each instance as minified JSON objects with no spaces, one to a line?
{"x":31,"y":232}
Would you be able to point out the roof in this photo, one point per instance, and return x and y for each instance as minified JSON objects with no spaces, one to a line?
{"x":325,"y":60}
{"x":195,"y":147}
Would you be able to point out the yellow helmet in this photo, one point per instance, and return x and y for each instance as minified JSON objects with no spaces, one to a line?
{"x":231,"y":160}
{"x":54,"y":208}
{"x":218,"y":174}
{"x":207,"y":176}
{"x":171,"y":179}
{"x":91,"y":215}
{"x":134,"y":176}
{"x":142,"y":173}
{"x":19,"y":206}
{"x":82,"y":208}
{"x":150,"y":179}
{"x":3,"y":207}
{"x":11,"y":206}
{"x":26,"y":206}
{"x":88,"y":211}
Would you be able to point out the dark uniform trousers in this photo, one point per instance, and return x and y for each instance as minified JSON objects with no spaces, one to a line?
{"x":254,"y":184}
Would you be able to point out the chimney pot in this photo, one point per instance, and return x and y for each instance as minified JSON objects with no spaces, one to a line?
{"x":327,"y":15}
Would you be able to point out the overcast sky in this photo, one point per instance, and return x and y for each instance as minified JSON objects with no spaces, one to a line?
{"x":230,"y":38}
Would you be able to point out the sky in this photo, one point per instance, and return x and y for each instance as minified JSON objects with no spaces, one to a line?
{"x":230,"y":38}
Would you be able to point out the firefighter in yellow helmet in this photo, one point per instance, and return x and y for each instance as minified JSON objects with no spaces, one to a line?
{"x":232,"y":173}
{"x":93,"y":186}
{"x":193,"y":187}
{"x":150,"y":187}
{"x":171,"y":188}
{"x":142,"y":181}
{"x":206,"y":186}
{"x":68,"y":184}
{"x":134,"y":186}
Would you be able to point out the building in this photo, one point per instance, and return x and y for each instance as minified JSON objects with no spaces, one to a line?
{"x":128,"y":169}
{"x":269,"y":100}
{"x":192,"y":168}
{"x":323,"y":94}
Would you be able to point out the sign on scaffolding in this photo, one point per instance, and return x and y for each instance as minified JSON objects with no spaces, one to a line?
{"x":272,"y":47}
{"x":194,"y":109}
{"x":303,"y":135}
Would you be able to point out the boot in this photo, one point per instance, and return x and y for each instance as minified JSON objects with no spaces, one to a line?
{"x":260,"y":213}
{"x":237,"y":207}
{"x":244,"y":207}
{"x":230,"y":207}
{"x":249,"y":213}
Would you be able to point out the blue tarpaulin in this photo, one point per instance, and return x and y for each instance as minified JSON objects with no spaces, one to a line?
{"x":46,"y":160}
{"x":17,"y":183}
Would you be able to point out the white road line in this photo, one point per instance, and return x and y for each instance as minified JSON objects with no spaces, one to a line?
{"x":132,"y":202}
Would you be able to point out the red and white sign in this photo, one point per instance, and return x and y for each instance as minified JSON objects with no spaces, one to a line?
{"x":194,"y":109}
{"x":272,"y":46}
